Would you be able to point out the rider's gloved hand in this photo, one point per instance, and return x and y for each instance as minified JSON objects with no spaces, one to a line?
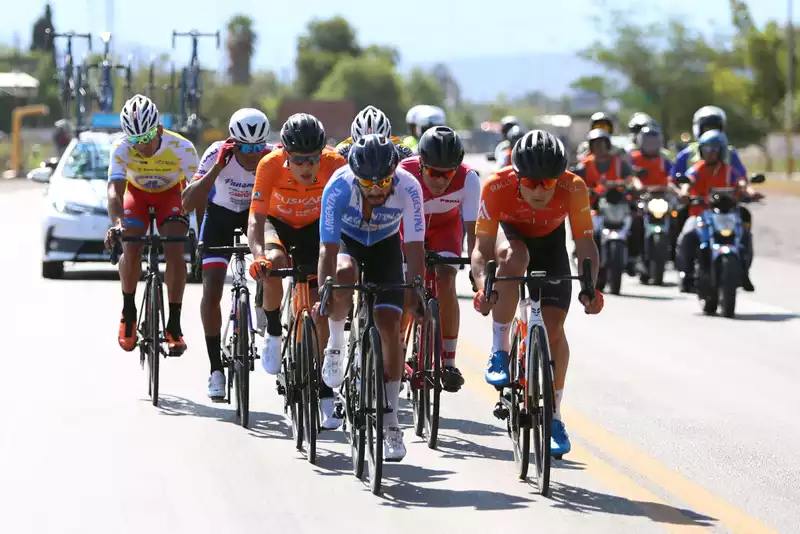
{"x":226,"y":152}
{"x":593,"y":306}
{"x":260,"y":268}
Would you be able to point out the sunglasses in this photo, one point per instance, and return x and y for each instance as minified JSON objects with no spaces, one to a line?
{"x":300,"y":160}
{"x":144,"y":138}
{"x":251,"y":148}
{"x":436,"y":173}
{"x":382,"y":183}
{"x":530,"y":183}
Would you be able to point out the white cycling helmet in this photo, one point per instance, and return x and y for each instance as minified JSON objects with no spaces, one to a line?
{"x":370,"y":120}
{"x":249,"y":126}
{"x":139,"y":115}
{"x":413,"y":115}
{"x":430,"y":116}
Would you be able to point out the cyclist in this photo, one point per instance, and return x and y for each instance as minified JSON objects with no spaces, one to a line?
{"x":514,"y":134}
{"x":284,"y":211}
{"x":411,"y":123}
{"x":450,"y":192}
{"x":364,"y":206}
{"x":149,"y":167}
{"x":225,"y":179}
{"x":530,"y":201}
{"x":372,"y":120}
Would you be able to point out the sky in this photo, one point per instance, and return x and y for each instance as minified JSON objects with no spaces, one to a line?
{"x":425,"y":31}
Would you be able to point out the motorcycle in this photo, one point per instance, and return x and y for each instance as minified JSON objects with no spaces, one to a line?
{"x":612,"y":223}
{"x":655,"y":210}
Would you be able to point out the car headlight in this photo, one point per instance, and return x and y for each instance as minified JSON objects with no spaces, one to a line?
{"x":67,"y":207}
{"x":658,"y":207}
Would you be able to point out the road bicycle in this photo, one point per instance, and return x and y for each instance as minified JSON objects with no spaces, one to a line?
{"x":424,"y":369}
{"x":191,"y":90}
{"x":72,"y":79}
{"x":298,"y":379}
{"x":151,"y":323}
{"x":528,"y":401}
{"x":363,"y":388}
{"x":104,"y":88}
{"x":238,"y":350}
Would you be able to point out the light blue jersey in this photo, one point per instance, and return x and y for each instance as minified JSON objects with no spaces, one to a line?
{"x":342,"y":205}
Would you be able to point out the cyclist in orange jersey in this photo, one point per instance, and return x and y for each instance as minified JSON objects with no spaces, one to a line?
{"x":530,"y":202}
{"x":284,"y":212}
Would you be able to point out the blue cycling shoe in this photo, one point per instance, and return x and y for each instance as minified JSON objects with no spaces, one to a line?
{"x":559,"y":439}
{"x":496,"y":372}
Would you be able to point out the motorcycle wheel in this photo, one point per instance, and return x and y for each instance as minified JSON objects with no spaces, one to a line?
{"x":658,"y":260}
{"x":616,"y":266}
{"x":728,"y":282}
{"x":600,"y":285}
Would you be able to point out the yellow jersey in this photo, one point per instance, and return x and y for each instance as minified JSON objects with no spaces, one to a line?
{"x":175,"y":161}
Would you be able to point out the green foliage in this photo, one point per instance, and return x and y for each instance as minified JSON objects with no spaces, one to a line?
{"x":423,"y":88}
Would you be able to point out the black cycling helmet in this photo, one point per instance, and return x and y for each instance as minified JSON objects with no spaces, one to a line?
{"x":539,"y":155}
{"x":599,"y":117}
{"x":508,"y":122}
{"x":372,"y":157}
{"x":303,"y":133}
{"x":441,"y":147}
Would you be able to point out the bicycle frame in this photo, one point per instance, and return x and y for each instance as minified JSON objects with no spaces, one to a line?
{"x":238,"y":270}
{"x":190,"y":76}
{"x":68,"y":89}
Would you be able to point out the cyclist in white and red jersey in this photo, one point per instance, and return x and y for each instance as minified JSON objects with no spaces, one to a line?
{"x":451,"y":192}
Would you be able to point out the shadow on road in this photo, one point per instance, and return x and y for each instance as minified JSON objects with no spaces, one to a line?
{"x":587,"y":501}
{"x":645,"y":297}
{"x":262,"y":424}
{"x":475,"y":428}
{"x":766,"y":317}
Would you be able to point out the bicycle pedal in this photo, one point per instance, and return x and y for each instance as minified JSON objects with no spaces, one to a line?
{"x":500,"y":411}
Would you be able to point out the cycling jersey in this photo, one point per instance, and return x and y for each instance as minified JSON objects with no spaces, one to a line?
{"x":403,"y":151}
{"x":657,"y":168}
{"x":501,"y":202}
{"x":276,"y":193}
{"x":234,"y":186}
{"x":342,"y":210}
{"x":174,"y":162}
{"x":412,"y":143}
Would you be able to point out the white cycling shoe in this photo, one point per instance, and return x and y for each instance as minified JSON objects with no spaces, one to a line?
{"x":333,"y":367}
{"x":327,"y":409}
{"x":394,"y":450}
{"x":216,"y":386}
{"x":271,"y":354}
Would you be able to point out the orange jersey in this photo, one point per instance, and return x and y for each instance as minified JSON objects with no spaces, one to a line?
{"x":276,"y":193}
{"x":501,"y":202}
{"x":657,"y":171}
{"x":705,"y":177}
{"x":594,"y":177}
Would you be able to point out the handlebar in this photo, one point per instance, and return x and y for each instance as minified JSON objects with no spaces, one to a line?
{"x":241,"y":248}
{"x":434,"y":258}
{"x":152,"y":240}
{"x":539,"y":278}
{"x":69,"y":36}
{"x":368,"y":287}
{"x":195,"y":35}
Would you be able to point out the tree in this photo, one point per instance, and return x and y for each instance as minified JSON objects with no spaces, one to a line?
{"x":452,"y":92}
{"x":387,"y":53}
{"x":318,"y":51}
{"x":424,"y":88}
{"x":366,"y":80}
{"x":39,"y":38}
{"x":240,"y":45}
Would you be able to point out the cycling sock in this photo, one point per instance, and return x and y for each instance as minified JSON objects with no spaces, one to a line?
{"x":336,"y":338}
{"x":325,"y":391}
{"x":274,"y":327}
{"x":393,"y":397}
{"x":500,"y":340}
{"x":129,"y":306}
{"x":174,"y":321}
{"x":559,"y":396}
{"x":214,"y":357}
{"x":449,"y":348}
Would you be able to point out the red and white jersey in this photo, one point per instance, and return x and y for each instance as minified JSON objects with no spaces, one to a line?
{"x":459,"y":202}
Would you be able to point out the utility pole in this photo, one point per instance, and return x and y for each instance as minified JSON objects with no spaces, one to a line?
{"x":789,"y":93}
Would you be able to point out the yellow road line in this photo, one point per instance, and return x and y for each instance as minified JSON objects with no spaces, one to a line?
{"x":699,"y":498}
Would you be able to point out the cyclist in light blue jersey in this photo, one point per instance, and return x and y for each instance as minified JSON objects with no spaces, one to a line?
{"x":365,"y":207}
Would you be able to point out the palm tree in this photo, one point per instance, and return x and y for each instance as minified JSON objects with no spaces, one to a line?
{"x":241,"y":45}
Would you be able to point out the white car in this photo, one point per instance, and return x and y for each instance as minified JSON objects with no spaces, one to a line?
{"x":75,"y":218}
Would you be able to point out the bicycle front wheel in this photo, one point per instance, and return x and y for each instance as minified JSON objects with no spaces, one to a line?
{"x":432,"y":385}
{"x":540,"y":403}
{"x":294,"y":380}
{"x":519,"y":425}
{"x":417,"y":380}
{"x":154,"y":334}
{"x":374,"y":408}
{"x":242,"y":360}
{"x":310,"y":392}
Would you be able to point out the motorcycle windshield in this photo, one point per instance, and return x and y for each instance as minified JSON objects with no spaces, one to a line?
{"x":724,"y":221}
{"x":616,"y":213}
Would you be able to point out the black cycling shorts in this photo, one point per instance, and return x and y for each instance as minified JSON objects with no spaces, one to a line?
{"x":382,"y":264}
{"x":549,"y":254}
{"x":217,"y":231}
{"x":305,"y":241}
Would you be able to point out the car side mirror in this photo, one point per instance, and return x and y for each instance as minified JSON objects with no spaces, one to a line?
{"x":41,"y":175}
{"x":757,"y":179}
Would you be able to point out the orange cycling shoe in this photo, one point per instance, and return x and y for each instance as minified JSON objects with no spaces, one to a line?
{"x":176,"y":346}
{"x":127,"y":335}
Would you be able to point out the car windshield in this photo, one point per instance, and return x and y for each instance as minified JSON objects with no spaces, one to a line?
{"x":88,"y":161}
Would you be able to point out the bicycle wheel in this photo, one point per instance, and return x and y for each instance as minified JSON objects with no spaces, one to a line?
{"x":294,"y":376}
{"x":540,"y":404}
{"x":154,"y":336}
{"x":374,"y":407}
{"x":242,"y":360}
{"x":432,"y":386}
{"x":310,"y":391}
{"x":519,"y":428}
{"x":353,"y":394}
{"x":417,"y":381}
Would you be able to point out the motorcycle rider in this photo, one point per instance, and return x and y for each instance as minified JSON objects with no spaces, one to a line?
{"x":506,"y":124}
{"x":516,"y":133}
{"x":603,"y":121}
{"x":602,"y":165}
{"x":638,"y":121}
{"x":710,"y":172}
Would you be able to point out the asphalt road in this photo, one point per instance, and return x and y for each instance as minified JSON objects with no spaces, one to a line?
{"x":679,"y":422}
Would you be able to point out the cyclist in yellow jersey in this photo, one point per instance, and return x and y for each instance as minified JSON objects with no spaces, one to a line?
{"x":372,"y":120}
{"x":149,"y":168}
